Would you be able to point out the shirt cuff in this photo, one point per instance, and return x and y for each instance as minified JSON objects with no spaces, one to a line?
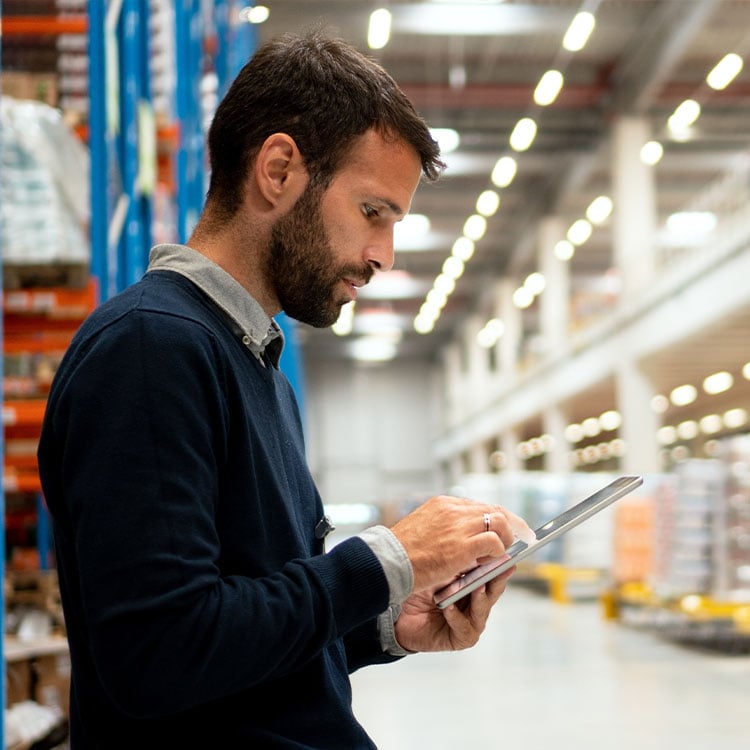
{"x":395,"y":562}
{"x":387,"y":632}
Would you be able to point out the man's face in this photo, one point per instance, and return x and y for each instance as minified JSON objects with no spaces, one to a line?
{"x":333,"y":240}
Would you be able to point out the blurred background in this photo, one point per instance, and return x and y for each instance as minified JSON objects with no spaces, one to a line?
{"x":569,"y":303}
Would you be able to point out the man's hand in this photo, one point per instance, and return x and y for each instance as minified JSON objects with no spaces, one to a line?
{"x":447,"y":536}
{"x":423,"y":627}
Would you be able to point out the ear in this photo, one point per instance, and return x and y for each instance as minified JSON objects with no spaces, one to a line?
{"x":279,"y":170}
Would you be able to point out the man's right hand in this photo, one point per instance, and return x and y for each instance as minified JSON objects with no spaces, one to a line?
{"x":446,"y":536}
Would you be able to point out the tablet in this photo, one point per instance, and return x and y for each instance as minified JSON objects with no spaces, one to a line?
{"x":544,"y":534}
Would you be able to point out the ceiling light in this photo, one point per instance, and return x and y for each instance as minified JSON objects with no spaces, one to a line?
{"x":666,"y":435}
{"x":523,"y":134}
{"x":725,"y":71}
{"x":659,"y":404}
{"x":548,"y":88}
{"x":692,"y":222}
{"x":683,"y":395}
{"x":687,"y":430}
{"x":436,"y":299}
{"x":599,"y":209}
{"x":504,"y":171}
{"x":535,"y":283}
{"x":445,"y":284}
{"x":735,"y":418}
{"x":573,"y":433}
{"x":746,"y":371}
{"x":379,"y":29}
{"x":463,"y":249}
{"x":591,"y":427}
{"x":651,"y":153}
{"x":448,"y":139}
{"x":343,"y":326}
{"x":488,"y":202}
{"x":579,"y":31}
{"x":254,"y":14}
{"x":711,"y":424}
{"x":453,"y":267}
{"x":564,"y":250}
{"x":718,"y":383}
{"x":490,"y":333}
{"x":475,"y":227}
{"x":373,"y":349}
{"x":579,"y":231}
{"x":610,"y":420}
{"x":522,"y":298}
{"x":423,"y":324}
{"x":684,"y":116}
{"x":409,"y":233}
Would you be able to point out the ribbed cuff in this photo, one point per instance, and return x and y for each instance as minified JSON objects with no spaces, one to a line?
{"x":392,"y":556}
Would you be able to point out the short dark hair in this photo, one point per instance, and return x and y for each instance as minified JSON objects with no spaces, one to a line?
{"x":324,"y":94}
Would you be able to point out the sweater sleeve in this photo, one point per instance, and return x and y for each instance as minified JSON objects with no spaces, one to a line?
{"x":133,"y":436}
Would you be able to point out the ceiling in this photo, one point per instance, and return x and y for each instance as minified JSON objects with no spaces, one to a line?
{"x":644,"y":57}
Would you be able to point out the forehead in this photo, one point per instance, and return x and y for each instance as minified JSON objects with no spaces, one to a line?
{"x":383,"y":167}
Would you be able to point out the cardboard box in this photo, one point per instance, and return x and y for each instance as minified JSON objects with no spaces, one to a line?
{"x":17,"y":681}
{"x":52,"y":681}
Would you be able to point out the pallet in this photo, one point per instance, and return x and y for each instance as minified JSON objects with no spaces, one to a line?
{"x":74,"y":275}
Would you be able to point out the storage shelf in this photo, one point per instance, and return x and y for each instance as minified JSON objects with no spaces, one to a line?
{"x":44,"y":25}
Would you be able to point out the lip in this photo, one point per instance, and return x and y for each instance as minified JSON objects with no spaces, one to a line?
{"x":353,"y":285}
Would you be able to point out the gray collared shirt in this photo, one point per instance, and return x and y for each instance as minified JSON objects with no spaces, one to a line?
{"x":261,"y":335}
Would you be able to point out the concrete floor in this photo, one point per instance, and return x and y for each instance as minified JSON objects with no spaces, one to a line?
{"x":555,"y":676}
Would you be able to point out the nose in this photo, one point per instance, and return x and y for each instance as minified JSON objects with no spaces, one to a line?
{"x":380,"y":254}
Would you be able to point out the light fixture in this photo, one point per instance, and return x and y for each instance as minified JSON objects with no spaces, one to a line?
{"x":453,"y":267}
{"x":254,"y":14}
{"x":448,"y":139}
{"x":522,"y":298}
{"x":523,"y":134}
{"x":735,"y":418}
{"x":659,"y":404}
{"x":573,"y":433}
{"x":490,"y":333}
{"x":651,"y":153}
{"x":548,"y":88}
{"x":487,"y":203}
{"x":718,"y":383}
{"x":591,"y":427}
{"x":504,"y":171}
{"x":445,"y":284}
{"x":599,"y":209}
{"x":379,"y":29}
{"x":687,"y":430}
{"x":692,"y":222}
{"x":535,"y":283}
{"x":683,"y":395}
{"x":610,"y":420}
{"x":684,"y":116}
{"x":579,"y":231}
{"x":373,"y":349}
{"x":424,"y":324}
{"x":463,"y":249}
{"x":666,"y":435}
{"x":475,"y":227}
{"x":564,"y":250}
{"x":746,"y":371}
{"x":409,"y":232}
{"x":579,"y":31}
{"x":725,"y":71}
{"x":343,"y":326}
{"x":711,"y":424}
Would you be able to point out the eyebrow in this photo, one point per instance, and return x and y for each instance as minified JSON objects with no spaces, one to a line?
{"x":394,"y":207}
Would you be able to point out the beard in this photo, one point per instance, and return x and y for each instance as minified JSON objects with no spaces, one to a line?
{"x":301,"y":267}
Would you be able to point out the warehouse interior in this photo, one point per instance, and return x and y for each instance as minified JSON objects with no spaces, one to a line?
{"x":569,"y":303}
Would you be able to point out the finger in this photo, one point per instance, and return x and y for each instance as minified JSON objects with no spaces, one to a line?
{"x":496,"y":521}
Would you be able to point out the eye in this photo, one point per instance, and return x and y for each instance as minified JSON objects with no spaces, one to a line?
{"x":370,"y":211}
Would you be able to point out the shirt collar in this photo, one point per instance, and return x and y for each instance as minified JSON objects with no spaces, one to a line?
{"x":258,"y":332}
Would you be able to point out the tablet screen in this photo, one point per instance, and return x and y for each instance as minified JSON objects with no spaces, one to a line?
{"x":544,"y":534}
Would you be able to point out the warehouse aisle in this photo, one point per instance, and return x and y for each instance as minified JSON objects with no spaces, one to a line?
{"x":553,"y":676}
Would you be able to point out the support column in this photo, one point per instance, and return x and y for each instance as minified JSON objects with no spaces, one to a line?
{"x":634,"y":215}
{"x":511,"y":339}
{"x":555,"y":422}
{"x":554,"y":302}
{"x":639,"y":422}
{"x":508,"y":443}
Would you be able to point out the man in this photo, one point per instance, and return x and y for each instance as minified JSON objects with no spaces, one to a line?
{"x":201,"y":609}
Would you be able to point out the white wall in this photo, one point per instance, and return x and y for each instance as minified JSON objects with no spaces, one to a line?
{"x":370,"y":428}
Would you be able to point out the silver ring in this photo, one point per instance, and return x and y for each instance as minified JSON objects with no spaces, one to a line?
{"x":486,"y":521}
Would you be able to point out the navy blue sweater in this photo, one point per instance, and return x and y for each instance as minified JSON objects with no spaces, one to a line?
{"x":201,"y":610}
